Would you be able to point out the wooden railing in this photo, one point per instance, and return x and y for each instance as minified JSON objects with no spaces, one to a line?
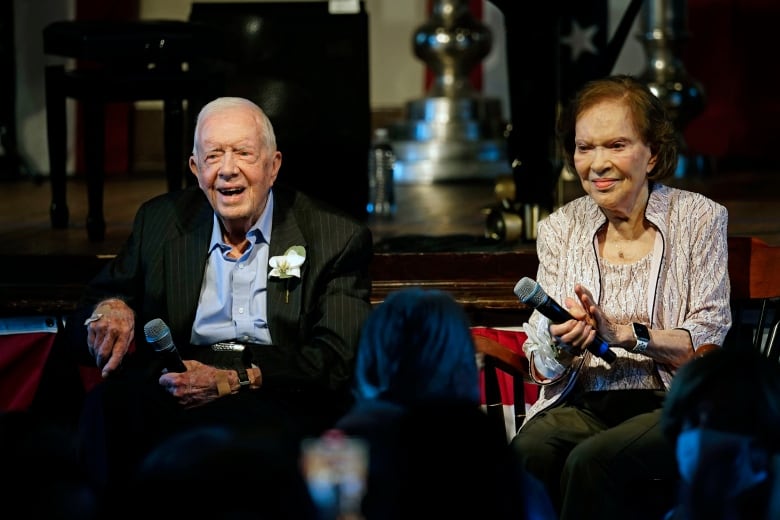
{"x":482,"y":282}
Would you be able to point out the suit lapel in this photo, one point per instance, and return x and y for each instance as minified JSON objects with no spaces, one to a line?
{"x":283,"y":307}
{"x":185,"y":263}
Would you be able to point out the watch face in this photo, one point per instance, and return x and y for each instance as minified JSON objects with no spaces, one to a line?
{"x":642,"y":335}
{"x":641,"y":332}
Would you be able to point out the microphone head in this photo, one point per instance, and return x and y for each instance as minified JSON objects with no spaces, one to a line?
{"x":158,"y":334}
{"x":530,"y":292}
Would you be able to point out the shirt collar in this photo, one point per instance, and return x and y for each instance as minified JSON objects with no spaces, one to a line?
{"x":259,"y":232}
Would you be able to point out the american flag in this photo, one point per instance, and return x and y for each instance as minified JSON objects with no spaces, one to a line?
{"x":549,"y":55}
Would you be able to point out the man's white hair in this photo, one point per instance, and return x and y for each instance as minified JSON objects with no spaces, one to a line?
{"x":268,"y":136}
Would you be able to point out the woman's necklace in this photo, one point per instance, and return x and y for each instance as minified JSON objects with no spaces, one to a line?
{"x":626,"y":250}
{"x":619,"y":248}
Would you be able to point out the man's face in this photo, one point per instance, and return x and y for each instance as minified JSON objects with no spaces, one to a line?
{"x":233,"y":167}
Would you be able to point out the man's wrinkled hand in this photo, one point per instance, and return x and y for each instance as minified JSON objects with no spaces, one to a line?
{"x":195,"y":387}
{"x":110,"y":331}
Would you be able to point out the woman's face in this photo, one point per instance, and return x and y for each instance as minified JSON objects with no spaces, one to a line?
{"x":610,"y":158}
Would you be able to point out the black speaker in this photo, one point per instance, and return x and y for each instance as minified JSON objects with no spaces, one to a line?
{"x":309,"y":70}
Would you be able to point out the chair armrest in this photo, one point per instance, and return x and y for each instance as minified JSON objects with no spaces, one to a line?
{"x":706,"y":348}
{"x":506,"y":359}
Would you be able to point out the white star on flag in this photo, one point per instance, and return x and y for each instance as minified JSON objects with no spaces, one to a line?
{"x":580,"y":40}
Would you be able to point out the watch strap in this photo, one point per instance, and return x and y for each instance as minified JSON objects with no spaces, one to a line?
{"x":243,"y":378}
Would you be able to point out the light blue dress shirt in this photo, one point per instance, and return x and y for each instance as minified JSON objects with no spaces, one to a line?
{"x":232,"y":304}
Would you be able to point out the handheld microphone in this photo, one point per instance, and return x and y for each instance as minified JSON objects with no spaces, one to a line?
{"x":159,"y":336}
{"x":531,"y":292}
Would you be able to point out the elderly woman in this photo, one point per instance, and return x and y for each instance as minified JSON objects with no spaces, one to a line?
{"x":640,"y":266}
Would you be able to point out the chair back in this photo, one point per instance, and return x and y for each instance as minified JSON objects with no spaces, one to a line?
{"x":506,"y":383}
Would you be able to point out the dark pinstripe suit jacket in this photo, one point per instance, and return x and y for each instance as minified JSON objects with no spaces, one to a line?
{"x":160,"y":269}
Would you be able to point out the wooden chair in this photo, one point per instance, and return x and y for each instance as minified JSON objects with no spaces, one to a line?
{"x":755,"y":291}
{"x":505,"y":377}
{"x":706,"y":349}
{"x":772,"y":343}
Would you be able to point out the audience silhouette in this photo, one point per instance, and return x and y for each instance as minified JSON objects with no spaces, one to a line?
{"x":43,"y":474}
{"x":432,"y":450}
{"x":221,"y":472}
{"x":723,"y":413}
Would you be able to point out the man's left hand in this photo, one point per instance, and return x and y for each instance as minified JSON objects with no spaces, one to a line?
{"x":195,"y":387}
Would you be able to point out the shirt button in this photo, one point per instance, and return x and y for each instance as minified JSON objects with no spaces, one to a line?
{"x":241,"y":310}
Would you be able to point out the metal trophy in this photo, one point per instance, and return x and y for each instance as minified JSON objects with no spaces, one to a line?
{"x":453,"y":133}
{"x":664,"y":29}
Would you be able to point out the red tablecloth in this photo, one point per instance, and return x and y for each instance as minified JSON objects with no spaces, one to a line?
{"x":25,"y":343}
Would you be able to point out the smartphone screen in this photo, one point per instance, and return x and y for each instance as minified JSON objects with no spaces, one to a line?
{"x":336,"y":470}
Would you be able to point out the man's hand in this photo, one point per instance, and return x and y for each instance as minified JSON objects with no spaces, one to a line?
{"x":110,"y":331}
{"x":195,"y":387}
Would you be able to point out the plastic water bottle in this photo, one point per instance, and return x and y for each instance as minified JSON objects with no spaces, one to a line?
{"x":381,"y":162}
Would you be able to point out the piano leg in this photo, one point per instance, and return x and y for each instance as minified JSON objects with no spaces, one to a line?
{"x":56,"y":133}
{"x":94,"y":164}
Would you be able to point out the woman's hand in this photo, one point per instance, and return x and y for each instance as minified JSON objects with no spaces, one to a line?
{"x":607,"y":330}
{"x":576,"y":334}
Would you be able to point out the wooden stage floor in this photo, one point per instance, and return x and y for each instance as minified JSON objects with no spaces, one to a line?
{"x":453,"y":215}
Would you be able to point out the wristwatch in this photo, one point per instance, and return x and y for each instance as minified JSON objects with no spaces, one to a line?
{"x":642,"y":336}
{"x":243,"y":378}
{"x":562,"y":355}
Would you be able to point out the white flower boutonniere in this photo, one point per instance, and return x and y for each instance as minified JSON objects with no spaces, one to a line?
{"x":287,"y":266}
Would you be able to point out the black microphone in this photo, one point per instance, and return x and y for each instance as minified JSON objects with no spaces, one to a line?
{"x":159,"y":335}
{"x":532,"y":293}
